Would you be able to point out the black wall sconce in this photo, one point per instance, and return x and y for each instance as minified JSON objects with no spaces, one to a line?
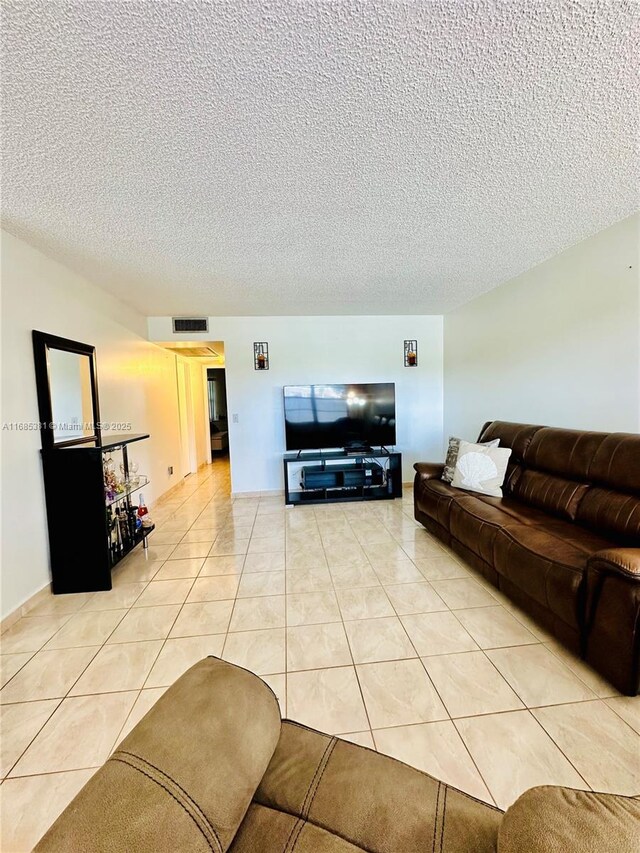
{"x":261,"y":355}
{"x":411,"y":353}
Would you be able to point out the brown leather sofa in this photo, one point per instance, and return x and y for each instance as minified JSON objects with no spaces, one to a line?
{"x":213,"y":768}
{"x":564,"y":540}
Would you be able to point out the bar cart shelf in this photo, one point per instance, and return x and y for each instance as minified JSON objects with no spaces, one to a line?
{"x":82,"y":544}
{"x":129,"y":490}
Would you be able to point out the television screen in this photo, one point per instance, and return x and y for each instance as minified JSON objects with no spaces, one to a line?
{"x":321,"y":416}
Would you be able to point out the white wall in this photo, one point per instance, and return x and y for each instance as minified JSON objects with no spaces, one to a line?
{"x":200,"y":405}
{"x":136,"y":380}
{"x":558,"y":345}
{"x":318,"y":350}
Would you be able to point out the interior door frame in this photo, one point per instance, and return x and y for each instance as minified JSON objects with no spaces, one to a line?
{"x":207,"y":425}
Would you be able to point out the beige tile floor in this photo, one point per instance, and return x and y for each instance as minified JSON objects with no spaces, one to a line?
{"x":363,"y":624}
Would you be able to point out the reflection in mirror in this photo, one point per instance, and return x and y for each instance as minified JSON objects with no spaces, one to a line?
{"x":71,"y":401}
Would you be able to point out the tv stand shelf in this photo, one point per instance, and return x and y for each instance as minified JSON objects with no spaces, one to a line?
{"x":338,"y":476}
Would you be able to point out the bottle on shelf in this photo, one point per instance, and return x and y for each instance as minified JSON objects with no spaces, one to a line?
{"x":117,"y":532}
{"x":131,"y":524}
{"x":134,"y":521}
{"x":143,"y":513}
{"x":111,"y":528}
{"x":123,"y":526}
{"x":142,"y":507}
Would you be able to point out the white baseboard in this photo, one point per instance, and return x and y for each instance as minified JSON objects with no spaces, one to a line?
{"x":270,"y":493}
{"x":24,"y":608}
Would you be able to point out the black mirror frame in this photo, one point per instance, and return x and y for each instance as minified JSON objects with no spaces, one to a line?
{"x":42,"y":343}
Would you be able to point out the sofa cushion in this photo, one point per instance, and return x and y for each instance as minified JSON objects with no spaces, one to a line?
{"x":452,"y":456}
{"x":546,"y":565}
{"x":324,"y":795}
{"x":586,"y":541}
{"x":609,"y":463}
{"x":613,"y":513}
{"x":616,"y":465}
{"x":519,"y":511}
{"x":516,"y":436}
{"x":555,"y":468}
{"x":557,"y":820}
{"x":476,"y":523}
{"x":551,"y":493}
{"x":481,"y":468}
{"x":565,"y":452}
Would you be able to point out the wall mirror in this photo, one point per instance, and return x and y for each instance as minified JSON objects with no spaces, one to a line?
{"x":67,"y":391}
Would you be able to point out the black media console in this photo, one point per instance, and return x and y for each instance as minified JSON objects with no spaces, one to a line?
{"x":341,"y":476}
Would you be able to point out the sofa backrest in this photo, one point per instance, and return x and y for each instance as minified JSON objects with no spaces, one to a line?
{"x":612,"y":504}
{"x":592,"y":478}
{"x":556,"y":470}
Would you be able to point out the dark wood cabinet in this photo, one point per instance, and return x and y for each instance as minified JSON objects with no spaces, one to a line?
{"x":80,"y":539}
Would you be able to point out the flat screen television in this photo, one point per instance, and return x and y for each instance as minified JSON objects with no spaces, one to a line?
{"x":348,"y":416}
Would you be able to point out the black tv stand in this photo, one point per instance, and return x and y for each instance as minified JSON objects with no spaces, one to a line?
{"x":342,"y":475}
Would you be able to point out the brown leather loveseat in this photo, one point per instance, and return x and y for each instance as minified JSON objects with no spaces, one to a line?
{"x":212,"y":767}
{"x":564,"y":540}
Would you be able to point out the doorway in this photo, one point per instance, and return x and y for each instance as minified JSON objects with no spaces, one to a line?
{"x":218,"y":424}
{"x":199,"y":421}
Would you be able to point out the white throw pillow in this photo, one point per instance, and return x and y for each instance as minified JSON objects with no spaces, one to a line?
{"x":481,"y":469}
{"x":452,"y":456}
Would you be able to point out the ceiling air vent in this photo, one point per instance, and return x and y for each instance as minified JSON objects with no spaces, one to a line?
{"x":190,"y":324}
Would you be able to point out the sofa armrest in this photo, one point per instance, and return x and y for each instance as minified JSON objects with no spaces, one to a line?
{"x":551,"y":819}
{"x":612,"y":616}
{"x":184,"y":777}
{"x":429,"y":470}
{"x":622,"y":561}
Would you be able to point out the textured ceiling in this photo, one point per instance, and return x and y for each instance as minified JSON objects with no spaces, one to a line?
{"x":314,"y":157}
